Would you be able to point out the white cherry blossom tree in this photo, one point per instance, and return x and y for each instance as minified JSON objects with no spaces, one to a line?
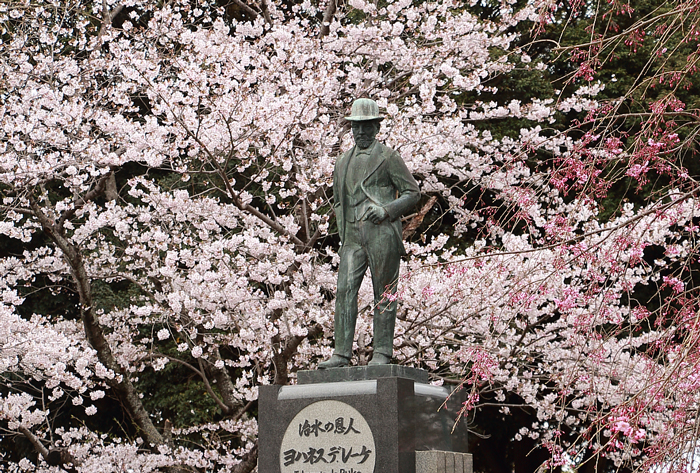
{"x":181,"y":153}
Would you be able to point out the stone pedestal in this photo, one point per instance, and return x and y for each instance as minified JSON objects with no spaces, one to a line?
{"x":383,"y":419}
{"x":435,"y":461}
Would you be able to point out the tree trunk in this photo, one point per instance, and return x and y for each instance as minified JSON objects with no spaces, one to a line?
{"x":120,"y":384}
{"x":328,"y":18}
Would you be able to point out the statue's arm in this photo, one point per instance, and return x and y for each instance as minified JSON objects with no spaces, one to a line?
{"x":406,"y":186}
{"x":337,"y":207}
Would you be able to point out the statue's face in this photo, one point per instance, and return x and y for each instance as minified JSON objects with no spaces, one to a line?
{"x":364,"y":133}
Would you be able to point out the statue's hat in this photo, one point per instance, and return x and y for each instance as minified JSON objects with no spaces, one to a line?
{"x":364,"y":110}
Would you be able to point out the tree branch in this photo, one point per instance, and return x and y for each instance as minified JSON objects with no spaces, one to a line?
{"x":200,"y":372}
{"x":38,"y":446}
{"x":108,"y":17}
{"x":92,"y":194}
{"x":52,"y":457}
{"x":94,"y":333}
{"x":266,"y":11}
{"x":223,"y":382}
{"x":247,"y":9}
{"x":211,"y":392}
{"x":9,"y":208}
{"x":232,"y":193}
{"x":418,"y":218}
{"x":574,"y":239}
{"x":249,"y":462}
{"x":328,"y":18}
{"x":283,"y":352}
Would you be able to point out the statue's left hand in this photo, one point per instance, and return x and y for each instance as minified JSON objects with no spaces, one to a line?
{"x":377,"y":214}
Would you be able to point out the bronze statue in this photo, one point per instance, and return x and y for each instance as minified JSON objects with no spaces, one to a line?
{"x":372,"y":189}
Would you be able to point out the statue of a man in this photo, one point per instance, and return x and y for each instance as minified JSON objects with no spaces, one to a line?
{"x":372,"y":189}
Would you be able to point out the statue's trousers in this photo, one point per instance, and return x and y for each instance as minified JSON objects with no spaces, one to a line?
{"x":367,"y":244}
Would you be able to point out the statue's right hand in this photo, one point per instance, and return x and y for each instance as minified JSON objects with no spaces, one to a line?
{"x":377,"y":214}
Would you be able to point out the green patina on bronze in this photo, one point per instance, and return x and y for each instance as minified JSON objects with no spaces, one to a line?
{"x":372,"y":189}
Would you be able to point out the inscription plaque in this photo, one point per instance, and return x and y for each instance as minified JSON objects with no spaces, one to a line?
{"x":328,"y":437}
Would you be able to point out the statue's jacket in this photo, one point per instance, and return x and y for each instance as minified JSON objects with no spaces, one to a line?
{"x":387,"y":183}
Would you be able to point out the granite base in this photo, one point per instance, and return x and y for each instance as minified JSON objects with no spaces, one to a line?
{"x":361,"y":373}
{"x":304,"y":428}
{"x":435,"y":461}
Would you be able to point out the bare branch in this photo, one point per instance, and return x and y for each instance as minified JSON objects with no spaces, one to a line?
{"x":254,"y":14}
{"x":108,"y":16}
{"x":52,"y":457}
{"x":200,"y":372}
{"x":211,"y":392}
{"x":418,"y":218}
{"x":328,"y":18}
{"x":92,"y":194}
{"x":250,"y":461}
{"x":266,"y":11}
{"x":36,"y":443}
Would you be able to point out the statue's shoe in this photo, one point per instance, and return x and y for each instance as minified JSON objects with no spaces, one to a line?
{"x":379,"y":359}
{"x":335,"y":361}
